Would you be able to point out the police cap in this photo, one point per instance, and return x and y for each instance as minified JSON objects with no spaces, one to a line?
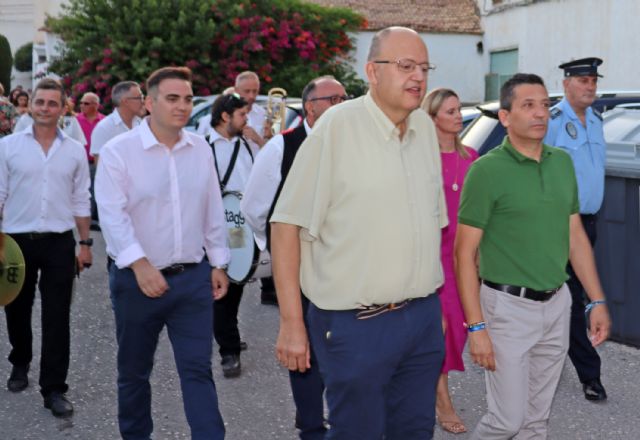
{"x":582,"y":67}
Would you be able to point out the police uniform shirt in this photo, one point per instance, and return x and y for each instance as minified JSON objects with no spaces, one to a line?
{"x":587,"y":148}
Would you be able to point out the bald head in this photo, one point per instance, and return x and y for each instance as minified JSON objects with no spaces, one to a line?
{"x":382,"y":36}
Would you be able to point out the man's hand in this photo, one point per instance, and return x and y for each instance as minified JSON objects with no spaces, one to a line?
{"x":599,"y":324}
{"x":292,"y":346}
{"x":219,"y":283}
{"x":481,"y":349}
{"x":149,"y":279}
{"x":251,"y":134}
{"x":84,"y":258}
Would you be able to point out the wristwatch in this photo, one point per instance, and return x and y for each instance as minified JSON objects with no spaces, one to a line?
{"x":222,"y":267}
{"x":87,"y":242}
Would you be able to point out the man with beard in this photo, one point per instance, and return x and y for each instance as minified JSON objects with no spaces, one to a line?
{"x":233,"y":157}
{"x":577,"y":128}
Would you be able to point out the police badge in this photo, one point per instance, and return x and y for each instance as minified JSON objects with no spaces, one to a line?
{"x":571,"y":130}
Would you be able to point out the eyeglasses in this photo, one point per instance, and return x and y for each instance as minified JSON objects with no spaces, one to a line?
{"x":87,"y":103}
{"x":135,"y":98}
{"x":407,"y":65}
{"x":335,"y":99}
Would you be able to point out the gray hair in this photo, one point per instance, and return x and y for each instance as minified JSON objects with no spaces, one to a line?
{"x":93,"y":96}
{"x":118,"y":91}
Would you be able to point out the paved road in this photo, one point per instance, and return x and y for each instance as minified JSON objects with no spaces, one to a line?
{"x":258,"y":405}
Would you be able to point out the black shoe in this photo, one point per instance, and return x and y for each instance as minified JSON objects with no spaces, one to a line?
{"x":231,"y":365}
{"x":18,"y":380}
{"x":243,"y":346}
{"x":268,"y":297}
{"x":58,"y":404}
{"x":593,"y":390}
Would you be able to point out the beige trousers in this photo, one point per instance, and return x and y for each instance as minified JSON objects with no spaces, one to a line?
{"x":530,"y":341}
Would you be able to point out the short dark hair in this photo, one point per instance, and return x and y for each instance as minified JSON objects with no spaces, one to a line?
{"x":310,"y":87}
{"x":172,"y":72}
{"x":226,"y":104}
{"x":51,"y":84}
{"x":118,"y":91}
{"x":506,"y":91}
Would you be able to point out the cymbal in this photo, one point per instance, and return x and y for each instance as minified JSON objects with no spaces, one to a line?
{"x":12,"y":271}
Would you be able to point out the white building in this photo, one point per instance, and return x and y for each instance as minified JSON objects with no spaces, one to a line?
{"x":536,"y":36}
{"x":451,"y":29}
{"x":22,"y":21}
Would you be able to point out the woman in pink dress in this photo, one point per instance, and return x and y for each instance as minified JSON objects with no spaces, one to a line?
{"x":443,"y":105}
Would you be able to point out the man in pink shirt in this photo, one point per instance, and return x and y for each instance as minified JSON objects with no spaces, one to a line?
{"x":89,"y":117}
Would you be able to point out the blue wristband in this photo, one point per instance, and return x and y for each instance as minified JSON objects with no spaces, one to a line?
{"x":592,"y":304}
{"x":477,"y":326}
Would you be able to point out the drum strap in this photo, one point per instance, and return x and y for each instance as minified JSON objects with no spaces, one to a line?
{"x":232,"y":161}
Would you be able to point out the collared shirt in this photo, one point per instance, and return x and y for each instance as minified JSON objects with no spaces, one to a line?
{"x":160,"y":203}
{"x":38,"y":192}
{"x":523,"y":207}
{"x":262,"y":186}
{"x":256,"y":118}
{"x":110,"y":127}
{"x":69,"y":125}
{"x":587,"y":148}
{"x":223,"y":152}
{"x":87,"y":128}
{"x":370,"y":206}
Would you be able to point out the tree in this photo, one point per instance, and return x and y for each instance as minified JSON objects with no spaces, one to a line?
{"x":287,"y":42}
{"x":6,"y":63}
{"x":23,"y":59}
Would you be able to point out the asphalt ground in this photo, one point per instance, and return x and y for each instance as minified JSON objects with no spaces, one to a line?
{"x":258,"y":404}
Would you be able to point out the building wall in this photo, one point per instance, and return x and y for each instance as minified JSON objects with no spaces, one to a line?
{"x":548,"y":33}
{"x":459,"y":65}
{"x":21,"y":21}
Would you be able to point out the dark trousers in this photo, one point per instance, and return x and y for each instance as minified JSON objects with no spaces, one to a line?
{"x":380,"y":373}
{"x":584,"y":357}
{"x":94,"y":206}
{"x":54,"y":257}
{"x":185,"y":309}
{"x":225,"y":320}
{"x":308,"y":394}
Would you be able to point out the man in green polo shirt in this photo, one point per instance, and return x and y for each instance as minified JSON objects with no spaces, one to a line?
{"x":519,"y":210}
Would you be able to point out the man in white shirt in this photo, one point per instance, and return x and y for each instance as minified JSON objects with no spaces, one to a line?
{"x":44,"y":194}
{"x":128,"y":100}
{"x":260,"y":196}
{"x":233,"y":157}
{"x":161,"y":211}
{"x":248,"y":87}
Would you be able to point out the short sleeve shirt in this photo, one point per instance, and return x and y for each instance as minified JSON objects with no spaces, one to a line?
{"x":370,"y":206}
{"x":523,"y":207}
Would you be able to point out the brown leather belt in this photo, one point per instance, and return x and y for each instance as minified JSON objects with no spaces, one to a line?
{"x":523,"y":292}
{"x":364,"y":312}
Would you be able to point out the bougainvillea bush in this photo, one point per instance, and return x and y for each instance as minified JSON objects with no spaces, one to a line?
{"x":287,"y":42}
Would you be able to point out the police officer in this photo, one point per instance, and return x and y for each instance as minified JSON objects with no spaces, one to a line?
{"x":576,"y":127}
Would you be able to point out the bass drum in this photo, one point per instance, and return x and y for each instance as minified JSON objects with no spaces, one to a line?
{"x":12,"y":271}
{"x":247,"y":262}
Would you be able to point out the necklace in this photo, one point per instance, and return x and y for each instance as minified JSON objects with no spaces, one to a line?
{"x":455,"y":186}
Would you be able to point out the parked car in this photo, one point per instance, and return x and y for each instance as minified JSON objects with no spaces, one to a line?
{"x":469,"y":114}
{"x":486,"y":132}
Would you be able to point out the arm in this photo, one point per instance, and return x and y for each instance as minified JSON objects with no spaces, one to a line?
{"x":466,"y":247}
{"x":583,"y":263}
{"x":117,"y":227}
{"x":84,"y":253}
{"x":292,"y":347}
{"x":81,"y":205}
{"x":261,"y":188}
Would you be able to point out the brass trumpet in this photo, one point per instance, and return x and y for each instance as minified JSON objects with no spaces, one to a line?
{"x":276,"y":110}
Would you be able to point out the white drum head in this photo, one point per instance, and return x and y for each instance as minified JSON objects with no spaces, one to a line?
{"x":243,"y":249}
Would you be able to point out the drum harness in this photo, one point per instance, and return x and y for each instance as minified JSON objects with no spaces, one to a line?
{"x":232,"y":161}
